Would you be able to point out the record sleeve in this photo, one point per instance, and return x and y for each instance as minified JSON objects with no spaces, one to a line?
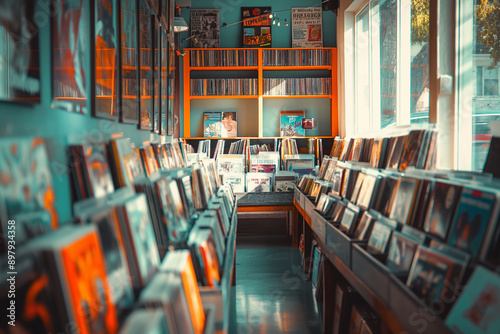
{"x":291,"y":123}
{"x":442,"y":206}
{"x":379,"y":239}
{"x":180,"y":263}
{"x":404,"y":199}
{"x":413,"y":146}
{"x":97,"y":172}
{"x":26,"y":189}
{"x":364,"y":227}
{"x":477,"y":308}
{"x":259,"y":182}
{"x":349,"y":219}
{"x":402,"y":249}
{"x":471,"y":220}
{"x":342,"y":313}
{"x":434,"y":276}
{"x":126,"y":166}
{"x":377,"y":156}
{"x":146,"y":321}
{"x":204,"y":255}
{"x":138,"y":234}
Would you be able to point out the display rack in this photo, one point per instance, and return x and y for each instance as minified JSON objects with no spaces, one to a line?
{"x":252,"y":63}
{"x":399,"y":309}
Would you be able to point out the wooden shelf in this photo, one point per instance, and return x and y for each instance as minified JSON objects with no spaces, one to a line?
{"x":224,"y":68}
{"x":202,"y":97}
{"x":296,"y":68}
{"x":297,"y":96}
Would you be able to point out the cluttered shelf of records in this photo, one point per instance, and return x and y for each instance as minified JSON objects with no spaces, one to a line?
{"x":132,"y":209}
{"x":224,"y":87}
{"x":297,"y":86}
{"x":299,"y":57}
{"x":223,"y":58}
{"x":262,"y":167}
{"x":413,"y":236}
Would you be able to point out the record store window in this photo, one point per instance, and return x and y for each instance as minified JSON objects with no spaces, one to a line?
{"x":478,"y":80}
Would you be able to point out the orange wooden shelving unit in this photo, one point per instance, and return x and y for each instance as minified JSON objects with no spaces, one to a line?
{"x":260,"y":97}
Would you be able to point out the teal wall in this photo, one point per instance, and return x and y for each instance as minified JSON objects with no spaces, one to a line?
{"x":59,"y":127}
{"x":230,"y":37}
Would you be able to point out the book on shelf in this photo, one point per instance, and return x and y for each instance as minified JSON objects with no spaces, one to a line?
{"x":260,"y":182}
{"x":291,"y":123}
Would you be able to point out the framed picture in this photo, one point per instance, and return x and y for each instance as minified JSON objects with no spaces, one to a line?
{"x":307,"y":27}
{"x":19,"y":74}
{"x":145,"y":15}
{"x":168,"y":13}
{"x":129,"y":63}
{"x":171,"y":89}
{"x":157,"y":75}
{"x":70,"y":42}
{"x":205,"y":26}
{"x":256,"y":26}
{"x":105,"y":60}
{"x":165,"y":54}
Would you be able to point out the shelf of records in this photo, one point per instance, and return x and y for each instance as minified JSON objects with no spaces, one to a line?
{"x":297,"y":87}
{"x":224,"y":87}
{"x":297,"y":57}
{"x":151,"y":242}
{"x":223,"y":58}
{"x":413,"y":239}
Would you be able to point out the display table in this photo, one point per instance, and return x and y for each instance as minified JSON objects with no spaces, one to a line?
{"x":268,"y":202}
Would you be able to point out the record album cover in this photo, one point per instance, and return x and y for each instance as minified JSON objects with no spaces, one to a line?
{"x":291,"y":123}
{"x":26,"y":188}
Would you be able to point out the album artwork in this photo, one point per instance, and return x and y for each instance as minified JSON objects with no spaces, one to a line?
{"x":379,"y":239}
{"x":402,"y":249}
{"x":138,"y":234}
{"x":146,"y":321}
{"x":471,"y":221}
{"x":26,"y":189}
{"x":291,"y":123}
{"x":146,"y":65}
{"x":477,"y":308}
{"x":70,"y":42}
{"x":126,"y":165}
{"x":442,"y":204}
{"x":434,"y":276}
{"x":404,"y":199}
{"x":256,"y":26}
{"x":205,"y":28}
{"x":204,"y":255}
{"x":19,"y":51}
{"x":149,"y":160}
{"x":113,"y":248}
{"x":96,"y":170}
{"x":364,"y":227}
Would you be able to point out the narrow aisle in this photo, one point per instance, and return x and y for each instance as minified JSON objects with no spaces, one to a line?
{"x":271,"y":293}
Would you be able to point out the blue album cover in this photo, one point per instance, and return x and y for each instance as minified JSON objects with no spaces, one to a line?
{"x":471,"y":220}
{"x":291,"y":123}
{"x":477,"y":308}
{"x":212,"y":124}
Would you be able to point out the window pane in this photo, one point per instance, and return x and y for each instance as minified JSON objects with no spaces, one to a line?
{"x":419,"y":109}
{"x":362,"y":68}
{"x":478,"y":92}
{"x":384,"y":49}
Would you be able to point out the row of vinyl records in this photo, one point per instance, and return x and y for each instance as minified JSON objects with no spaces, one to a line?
{"x":302,"y":57}
{"x":430,"y":229}
{"x":297,"y":86}
{"x":403,"y":149}
{"x":210,"y":87}
{"x":352,"y":315}
{"x":223,"y":58}
{"x":123,"y":248}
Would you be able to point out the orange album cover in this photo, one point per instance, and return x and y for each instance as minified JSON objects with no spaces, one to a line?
{"x":211,"y":266}
{"x":89,"y":291}
{"x":193,"y":295}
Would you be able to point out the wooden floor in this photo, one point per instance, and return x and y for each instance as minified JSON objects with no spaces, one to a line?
{"x":271,"y":293}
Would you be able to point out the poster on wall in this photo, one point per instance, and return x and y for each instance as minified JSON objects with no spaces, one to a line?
{"x":256,"y":26}
{"x":129,"y":64}
{"x":307,"y":27}
{"x":205,"y":28}
{"x":70,"y":44}
{"x":19,"y":62}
